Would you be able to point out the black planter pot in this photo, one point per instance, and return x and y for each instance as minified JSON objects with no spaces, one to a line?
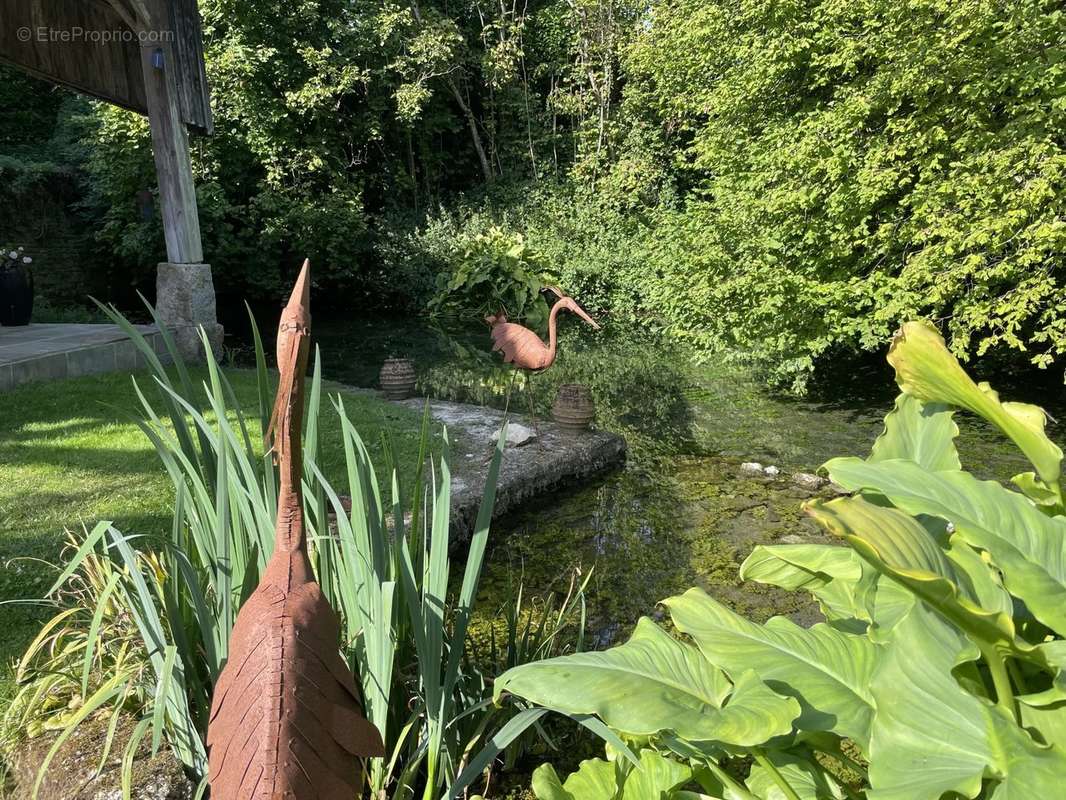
{"x":16,"y":296}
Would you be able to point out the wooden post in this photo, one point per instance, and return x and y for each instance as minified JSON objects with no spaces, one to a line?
{"x":170,"y":143}
{"x":185,"y":296}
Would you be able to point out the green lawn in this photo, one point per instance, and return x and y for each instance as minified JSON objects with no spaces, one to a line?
{"x":69,"y":458}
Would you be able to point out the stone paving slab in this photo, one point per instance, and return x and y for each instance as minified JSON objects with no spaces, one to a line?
{"x":556,"y":460}
{"x":47,"y":351}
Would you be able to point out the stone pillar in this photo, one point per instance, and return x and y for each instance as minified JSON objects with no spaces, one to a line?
{"x":185,"y":301}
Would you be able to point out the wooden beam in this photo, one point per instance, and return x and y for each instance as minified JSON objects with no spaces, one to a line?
{"x":170,"y":146}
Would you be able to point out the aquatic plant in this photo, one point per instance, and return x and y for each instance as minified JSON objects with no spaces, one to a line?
{"x":939,"y":666}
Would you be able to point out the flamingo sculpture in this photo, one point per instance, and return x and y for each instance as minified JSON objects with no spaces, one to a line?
{"x":286,"y":720}
{"x":527,"y":351}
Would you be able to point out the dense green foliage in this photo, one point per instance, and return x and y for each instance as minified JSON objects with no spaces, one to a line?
{"x":940,"y":660}
{"x":489,"y":274}
{"x":72,"y":454}
{"x":861,"y":163}
{"x":776,"y":181}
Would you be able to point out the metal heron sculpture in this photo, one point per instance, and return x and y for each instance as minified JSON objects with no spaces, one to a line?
{"x":527,"y":351}
{"x":286,"y":718}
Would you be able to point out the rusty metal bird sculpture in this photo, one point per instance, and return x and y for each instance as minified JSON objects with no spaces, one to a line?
{"x":527,"y":351}
{"x":522,"y":347}
{"x":286,"y":719}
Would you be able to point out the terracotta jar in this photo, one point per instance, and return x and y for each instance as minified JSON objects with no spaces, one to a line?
{"x":398,"y":378}
{"x":574,"y":410}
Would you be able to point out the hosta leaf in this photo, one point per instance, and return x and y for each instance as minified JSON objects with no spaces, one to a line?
{"x":898,"y":545}
{"x":655,"y":683}
{"x":1028,"y":546}
{"x":826,"y":670}
{"x":922,"y":432}
{"x":596,"y":779}
{"x":925,"y":369}
{"x":809,"y":780}
{"x":930,"y":736}
{"x":1044,"y":715}
{"x":983,"y":582}
{"x":546,"y":784}
{"x":801,"y":566}
{"x":1035,"y":489}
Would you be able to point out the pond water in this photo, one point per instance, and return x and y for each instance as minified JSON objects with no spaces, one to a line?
{"x":681,"y":512}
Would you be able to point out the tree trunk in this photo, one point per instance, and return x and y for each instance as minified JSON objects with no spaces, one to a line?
{"x":475,"y":134}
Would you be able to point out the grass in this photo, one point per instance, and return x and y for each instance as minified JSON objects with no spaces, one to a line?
{"x":70,"y":456}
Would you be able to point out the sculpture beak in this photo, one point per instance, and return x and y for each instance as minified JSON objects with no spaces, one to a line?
{"x":301,"y":290}
{"x":581,"y":313}
{"x":292,"y":347}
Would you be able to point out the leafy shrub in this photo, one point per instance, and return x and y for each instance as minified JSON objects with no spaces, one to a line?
{"x":83,"y":653}
{"x":856,"y":164}
{"x":940,"y":661}
{"x":491,"y":272}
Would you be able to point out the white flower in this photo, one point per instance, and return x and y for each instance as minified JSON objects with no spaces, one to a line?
{"x":13,"y":254}
{"x":27,"y":260}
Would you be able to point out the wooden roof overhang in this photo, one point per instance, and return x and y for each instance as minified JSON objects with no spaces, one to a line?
{"x":97,"y":47}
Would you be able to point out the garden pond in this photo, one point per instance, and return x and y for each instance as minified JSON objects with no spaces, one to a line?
{"x":683,"y":511}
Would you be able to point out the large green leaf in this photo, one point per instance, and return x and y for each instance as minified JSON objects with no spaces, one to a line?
{"x":1044,"y":715}
{"x":595,"y":779}
{"x":852,"y":594}
{"x":922,"y":432}
{"x":656,"y":779}
{"x":931,"y":736}
{"x":1028,"y":546}
{"x":546,"y":784}
{"x":925,"y":369}
{"x":898,"y":545}
{"x":826,"y":670}
{"x":655,"y":683}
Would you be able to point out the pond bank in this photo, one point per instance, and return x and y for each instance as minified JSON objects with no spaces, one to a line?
{"x":553,"y":459}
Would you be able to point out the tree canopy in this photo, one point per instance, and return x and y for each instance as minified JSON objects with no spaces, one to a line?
{"x":772,"y":180}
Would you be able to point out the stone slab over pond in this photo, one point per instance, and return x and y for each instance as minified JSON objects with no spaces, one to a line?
{"x":557,"y":459}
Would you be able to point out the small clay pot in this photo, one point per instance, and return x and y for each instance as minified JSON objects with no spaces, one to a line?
{"x":574,"y":410}
{"x":398,"y":378}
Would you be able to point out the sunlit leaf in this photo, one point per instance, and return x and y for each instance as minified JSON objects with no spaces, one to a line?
{"x":931,"y":736}
{"x":826,"y":670}
{"x":1026,"y":544}
{"x":925,"y":369}
{"x":668,"y":686}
